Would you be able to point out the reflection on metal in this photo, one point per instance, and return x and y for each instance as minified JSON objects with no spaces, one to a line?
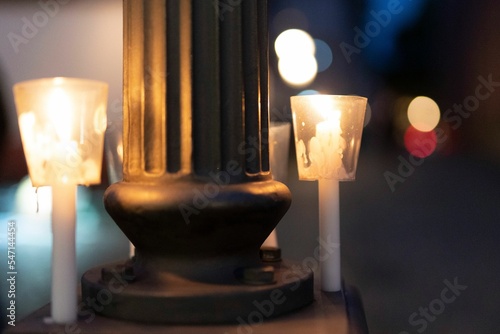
{"x":197,"y":199}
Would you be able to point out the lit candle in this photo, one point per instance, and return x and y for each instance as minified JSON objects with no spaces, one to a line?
{"x":62,"y":123}
{"x":329,"y":150}
{"x":327,"y":132}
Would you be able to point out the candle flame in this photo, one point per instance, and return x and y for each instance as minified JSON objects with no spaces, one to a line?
{"x":61,"y":114}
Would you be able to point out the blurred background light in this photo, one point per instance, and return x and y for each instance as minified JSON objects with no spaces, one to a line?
{"x":294,"y":41}
{"x":418,"y":143}
{"x":308,"y":92}
{"x":423,"y":113}
{"x":297,"y":63}
{"x":324,"y":55}
{"x":299,"y":70}
{"x":382,"y":52}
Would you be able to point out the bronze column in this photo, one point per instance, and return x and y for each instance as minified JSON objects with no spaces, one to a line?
{"x":197,"y":199}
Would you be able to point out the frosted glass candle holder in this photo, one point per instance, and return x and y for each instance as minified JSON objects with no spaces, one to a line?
{"x":62,"y":123}
{"x":327,"y":130}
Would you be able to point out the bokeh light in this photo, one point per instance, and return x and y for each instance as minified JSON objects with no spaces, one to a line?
{"x":308,"y":92}
{"x":294,"y":41}
{"x":297,"y":63}
{"x":324,"y":55}
{"x":419,"y":143}
{"x":423,"y":113}
{"x":298,"y":70}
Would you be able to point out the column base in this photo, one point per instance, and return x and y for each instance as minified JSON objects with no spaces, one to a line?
{"x":272,"y":290}
{"x":330,"y":312}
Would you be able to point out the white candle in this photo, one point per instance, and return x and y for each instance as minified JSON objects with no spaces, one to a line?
{"x":329,"y":231}
{"x":329,"y":140}
{"x":64,"y":274}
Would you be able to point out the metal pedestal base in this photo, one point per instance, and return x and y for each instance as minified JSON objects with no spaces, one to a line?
{"x":271,"y":290}
{"x":330,"y":313}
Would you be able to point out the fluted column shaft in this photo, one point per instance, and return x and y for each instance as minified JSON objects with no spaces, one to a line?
{"x":195,"y":89}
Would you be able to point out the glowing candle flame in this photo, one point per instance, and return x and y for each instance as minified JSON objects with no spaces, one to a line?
{"x":60,"y":112}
